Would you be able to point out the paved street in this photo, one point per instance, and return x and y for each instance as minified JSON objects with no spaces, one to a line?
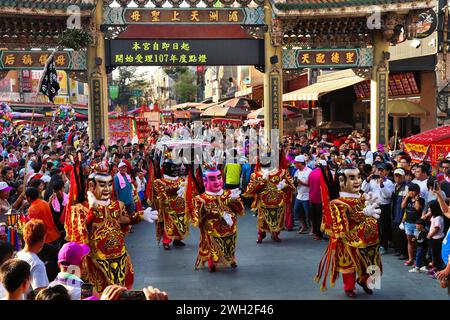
{"x":267,"y":271}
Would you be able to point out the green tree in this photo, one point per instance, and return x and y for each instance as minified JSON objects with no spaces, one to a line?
{"x":175,"y":72}
{"x":128,"y":80}
{"x":185,"y":88}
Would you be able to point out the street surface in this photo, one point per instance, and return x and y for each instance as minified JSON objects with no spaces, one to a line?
{"x":279,"y":271}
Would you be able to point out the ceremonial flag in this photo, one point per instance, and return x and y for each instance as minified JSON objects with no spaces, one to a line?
{"x":49,"y":85}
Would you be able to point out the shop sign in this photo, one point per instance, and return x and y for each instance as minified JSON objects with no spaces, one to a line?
{"x":327,"y":58}
{"x":240,"y":16}
{"x":426,"y":24}
{"x":36,"y":59}
{"x":184,"y":52}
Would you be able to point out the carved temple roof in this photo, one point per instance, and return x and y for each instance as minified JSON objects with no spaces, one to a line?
{"x":323,"y":8}
{"x":48,"y":4}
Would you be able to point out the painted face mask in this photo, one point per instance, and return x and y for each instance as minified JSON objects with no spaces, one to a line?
{"x":213,"y":181}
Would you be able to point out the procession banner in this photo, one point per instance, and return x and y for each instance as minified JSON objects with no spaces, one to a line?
{"x":120,"y":128}
{"x":418,"y":152}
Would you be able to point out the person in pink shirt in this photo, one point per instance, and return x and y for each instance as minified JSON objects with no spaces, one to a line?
{"x":315,"y":199}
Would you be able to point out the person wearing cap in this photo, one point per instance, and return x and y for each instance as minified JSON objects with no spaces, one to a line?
{"x":399,"y":240}
{"x":70,"y":258}
{"x":5,"y":206}
{"x":301,"y":181}
{"x":123,"y":187}
{"x":421,"y":242}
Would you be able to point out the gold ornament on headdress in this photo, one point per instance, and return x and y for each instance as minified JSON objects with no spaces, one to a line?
{"x":210,"y":165}
{"x":100,"y":167}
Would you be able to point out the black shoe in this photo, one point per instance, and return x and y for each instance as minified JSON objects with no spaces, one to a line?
{"x":365,"y":287}
{"x":212,"y":269}
{"x":166,"y":246}
{"x":233,"y":265}
{"x":178,"y":243}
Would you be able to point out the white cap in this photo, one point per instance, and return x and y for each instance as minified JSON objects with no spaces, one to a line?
{"x":4,"y":186}
{"x":300,"y":158}
{"x":45,"y":178}
{"x":399,"y":171}
{"x":122,"y":164}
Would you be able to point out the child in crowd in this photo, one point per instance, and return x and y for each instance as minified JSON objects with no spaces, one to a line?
{"x":436,"y":236}
{"x":421,"y":245}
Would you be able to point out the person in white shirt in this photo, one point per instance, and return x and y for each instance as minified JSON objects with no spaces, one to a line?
{"x":301,"y":181}
{"x":382,"y":188}
{"x":141,"y":184}
{"x":34,"y":233}
{"x":365,"y":152}
{"x":15,"y":278}
{"x":436,"y":235}
{"x":421,"y":178}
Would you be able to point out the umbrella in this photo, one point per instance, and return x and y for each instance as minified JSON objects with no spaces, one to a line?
{"x":403,"y":108}
{"x":241,"y":102}
{"x":220,"y":111}
{"x":259,"y":113}
{"x":187,"y":105}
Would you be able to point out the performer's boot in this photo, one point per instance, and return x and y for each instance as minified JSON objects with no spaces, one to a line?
{"x":275,"y":237}
{"x":261,"y":236}
{"x":178,"y":243}
{"x":349,"y":284}
{"x":211,"y":266}
{"x":166,"y":241}
{"x":363,"y":283}
{"x":233,"y":264}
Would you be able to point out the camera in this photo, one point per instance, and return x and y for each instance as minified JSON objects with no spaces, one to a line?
{"x":132,"y":295}
{"x":376,"y":176}
{"x":86,"y":290}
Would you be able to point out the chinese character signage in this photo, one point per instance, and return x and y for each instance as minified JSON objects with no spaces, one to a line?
{"x":275,"y":82}
{"x":126,"y":16}
{"x":184,"y":52}
{"x":382,"y":111}
{"x":96,"y":109}
{"x":35,"y":59}
{"x":327,"y":58}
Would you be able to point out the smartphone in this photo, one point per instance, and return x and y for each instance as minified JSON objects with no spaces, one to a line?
{"x":435,"y":185}
{"x":86,"y":290}
{"x":132,"y":295}
{"x":376,"y":176}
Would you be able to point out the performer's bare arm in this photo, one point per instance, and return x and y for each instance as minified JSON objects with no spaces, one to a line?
{"x":442,"y":204}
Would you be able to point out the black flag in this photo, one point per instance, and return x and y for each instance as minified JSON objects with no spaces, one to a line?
{"x":49,"y":83}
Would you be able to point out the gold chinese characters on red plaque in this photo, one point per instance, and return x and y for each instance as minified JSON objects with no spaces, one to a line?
{"x":185,"y":16}
{"x":32,"y":60}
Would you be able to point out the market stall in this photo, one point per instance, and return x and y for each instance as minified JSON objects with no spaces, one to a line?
{"x":431,"y":146}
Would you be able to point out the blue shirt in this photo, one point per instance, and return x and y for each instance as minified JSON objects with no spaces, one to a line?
{"x":397,"y":198}
{"x":445,"y":250}
{"x":124,"y":194}
{"x":246,"y":172}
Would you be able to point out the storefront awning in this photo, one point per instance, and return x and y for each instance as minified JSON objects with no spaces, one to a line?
{"x":404,"y":108}
{"x":325,"y":84}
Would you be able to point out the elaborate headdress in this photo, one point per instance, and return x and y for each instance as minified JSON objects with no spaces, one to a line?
{"x":99,"y":168}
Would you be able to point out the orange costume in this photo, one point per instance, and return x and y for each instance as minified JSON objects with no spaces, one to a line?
{"x":172,"y":221}
{"x":270,"y":200}
{"x":217,"y":238}
{"x":353,"y":245}
{"x":108,"y":261}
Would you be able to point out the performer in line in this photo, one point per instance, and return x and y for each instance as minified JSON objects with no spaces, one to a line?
{"x":270,"y":188}
{"x":168,"y":198}
{"x":101,"y":223}
{"x":214,"y":212}
{"x":350,"y":219}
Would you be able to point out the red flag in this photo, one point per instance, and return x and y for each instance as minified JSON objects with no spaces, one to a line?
{"x":73,"y":195}
{"x":151,"y":178}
